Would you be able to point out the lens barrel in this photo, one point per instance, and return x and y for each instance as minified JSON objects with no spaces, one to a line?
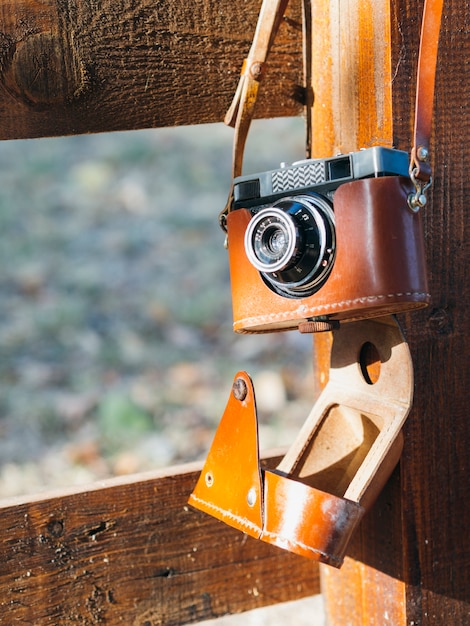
{"x":292,"y":244}
{"x":274,"y":239}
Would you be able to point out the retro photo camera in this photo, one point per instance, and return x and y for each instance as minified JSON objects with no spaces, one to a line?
{"x":325,"y":240}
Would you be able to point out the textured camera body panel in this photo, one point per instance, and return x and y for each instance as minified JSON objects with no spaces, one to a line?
{"x":380,"y":265}
{"x":320,"y":175}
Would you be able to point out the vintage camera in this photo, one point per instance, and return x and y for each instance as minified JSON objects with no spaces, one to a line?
{"x":325,"y":240}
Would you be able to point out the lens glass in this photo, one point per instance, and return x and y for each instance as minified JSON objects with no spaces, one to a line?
{"x":272,"y":243}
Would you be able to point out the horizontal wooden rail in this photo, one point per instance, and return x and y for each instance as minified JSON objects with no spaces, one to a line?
{"x":132,"y":552}
{"x":82,"y":66}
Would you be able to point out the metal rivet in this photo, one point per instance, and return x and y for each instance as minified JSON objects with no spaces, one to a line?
{"x":239,"y":389}
{"x":251,"y":497}
{"x":256,"y":70}
{"x":417,"y":201}
{"x":423,"y":154}
{"x":209,"y":478}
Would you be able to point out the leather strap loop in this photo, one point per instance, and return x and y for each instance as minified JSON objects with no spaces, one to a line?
{"x":241,"y":111}
{"x":242,"y":108}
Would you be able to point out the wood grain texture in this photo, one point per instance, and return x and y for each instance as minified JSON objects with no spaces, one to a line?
{"x":436,"y":462}
{"x":353,"y":109}
{"x":70,"y":67}
{"x":132,"y":552}
{"x":359,"y":603}
{"x":413,"y":549}
{"x":351,"y":63}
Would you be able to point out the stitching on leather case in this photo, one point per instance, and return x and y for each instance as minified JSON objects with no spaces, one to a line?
{"x":266,"y":533}
{"x":240,"y":520}
{"x":303,"y":546}
{"x":302,"y":310}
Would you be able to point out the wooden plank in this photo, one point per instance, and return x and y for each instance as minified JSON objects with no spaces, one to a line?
{"x":351,"y":60}
{"x":353,"y":109}
{"x":410,"y":561}
{"x":132,"y":552}
{"x":436,"y":463}
{"x":361,"y":591}
{"x":88,"y":66}
{"x":369,"y":588}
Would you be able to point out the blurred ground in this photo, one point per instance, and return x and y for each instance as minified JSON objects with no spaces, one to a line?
{"x":116,"y":348}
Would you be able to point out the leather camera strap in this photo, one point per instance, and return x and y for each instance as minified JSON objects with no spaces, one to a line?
{"x":425,"y":82}
{"x":242,"y":108}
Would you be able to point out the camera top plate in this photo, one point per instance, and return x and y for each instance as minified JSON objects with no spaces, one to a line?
{"x":323,"y":176}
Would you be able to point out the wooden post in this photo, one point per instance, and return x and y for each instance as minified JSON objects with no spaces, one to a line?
{"x":410,"y":562}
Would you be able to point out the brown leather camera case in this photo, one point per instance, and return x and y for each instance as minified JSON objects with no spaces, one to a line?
{"x":380,"y":265}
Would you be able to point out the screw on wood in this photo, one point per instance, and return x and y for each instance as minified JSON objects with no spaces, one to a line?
{"x":256,"y":70}
{"x":56,"y":528}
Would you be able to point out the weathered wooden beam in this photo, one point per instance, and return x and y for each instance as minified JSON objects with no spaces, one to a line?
{"x":410,"y":561}
{"x":132,"y":552}
{"x":88,"y":66}
{"x":436,"y":464}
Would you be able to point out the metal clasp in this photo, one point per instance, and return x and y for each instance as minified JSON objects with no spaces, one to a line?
{"x":418,"y":199}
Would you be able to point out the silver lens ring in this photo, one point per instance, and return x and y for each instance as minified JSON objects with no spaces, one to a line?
{"x":324,"y":220}
{"x":271,"y":240}
{"x":293,"y":244}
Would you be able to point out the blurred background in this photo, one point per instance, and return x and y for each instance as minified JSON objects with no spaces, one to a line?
{"x":116,"y":347}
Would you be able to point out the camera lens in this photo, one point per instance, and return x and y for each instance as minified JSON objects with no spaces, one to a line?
{"x":274,"y":238}
{"x":292,"y":244}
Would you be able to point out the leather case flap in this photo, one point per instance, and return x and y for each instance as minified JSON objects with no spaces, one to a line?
{"x":229,"y":487}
